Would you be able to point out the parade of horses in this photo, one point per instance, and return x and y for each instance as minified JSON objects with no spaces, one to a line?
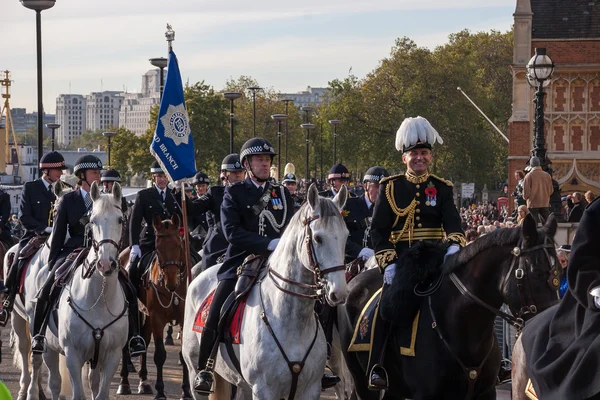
{"x":381,"y":283}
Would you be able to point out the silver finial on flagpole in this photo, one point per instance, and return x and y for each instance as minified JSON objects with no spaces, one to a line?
{"x":170,"y":35}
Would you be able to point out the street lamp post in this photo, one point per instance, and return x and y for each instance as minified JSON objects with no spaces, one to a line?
{"x":231,"y":96}
{"x":254,"y":89}
{"x":539,"y":71}
{"x":53,"y":127}
{"x":279,"y":118}
{"x":286,"y":101}
{"x":307,"y":110}
{"x":161,"y":63}
{"x":38,"y":6}
{"x":108,"y":135}
{"x":335,"y":123}
{"x":307,"y":128}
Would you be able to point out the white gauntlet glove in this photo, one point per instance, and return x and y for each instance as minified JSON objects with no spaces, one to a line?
{"x":596,"y":293}
{"x":451,"y":250}
{"x":366,"y":253}
{"x":272,"y":244}
{"x":135,"y":252}
{"x":48,"y":230}
{"x":388,"y":274}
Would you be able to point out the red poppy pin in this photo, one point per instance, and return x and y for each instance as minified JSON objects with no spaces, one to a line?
{"x":345,"y":213}
{"x":431,"y":193}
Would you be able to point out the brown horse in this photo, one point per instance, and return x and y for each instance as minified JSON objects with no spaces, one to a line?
{"x":162,"y":292}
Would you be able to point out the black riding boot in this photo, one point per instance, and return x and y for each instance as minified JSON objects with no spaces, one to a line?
{"x":11,"y":288}
{"x":44,"y":301}
{"x":378,"y":377}
{"x":209,"y":339}
{"x":137,"y":346}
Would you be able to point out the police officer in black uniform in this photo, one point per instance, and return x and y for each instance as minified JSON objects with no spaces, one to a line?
{"x":35,"y":209}
{"x":108,"y":179}
{"x":410,"y":207}
{"x":216,"y":244}
{"x":254,"y":214}
{"x":198,"y":225}
{"x":155,"y":200}
{"x":291,"y":183}
{"x":338,"y":176}
{"x":358,"y":212}
{"x":72,"y":215}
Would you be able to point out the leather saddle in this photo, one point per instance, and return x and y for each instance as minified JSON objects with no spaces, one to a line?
{"x":66,"y":270}
{"x":34,"y":244}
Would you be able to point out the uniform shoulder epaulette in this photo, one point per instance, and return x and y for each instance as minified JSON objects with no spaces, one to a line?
{"x":447,"y":182}
{"x":389,"y":178}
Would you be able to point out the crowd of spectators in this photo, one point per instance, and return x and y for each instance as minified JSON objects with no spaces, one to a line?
{"x":479,"y":219}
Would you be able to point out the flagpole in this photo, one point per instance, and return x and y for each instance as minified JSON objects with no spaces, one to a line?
{"x":186,"y":242}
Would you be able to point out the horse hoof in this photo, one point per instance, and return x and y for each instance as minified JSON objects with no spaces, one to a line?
{"x":145,"y":389}
{"x":124,"y":390}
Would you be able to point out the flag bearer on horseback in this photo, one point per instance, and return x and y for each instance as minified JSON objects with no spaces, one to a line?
{"x":72,"y":216}
{"x":210,"y":203}
{"x":35,"y":210}
{"x":358,"y":213}
{"x":411,"y":207}
{"x":254,"y":214}
{"x":108,"y":179}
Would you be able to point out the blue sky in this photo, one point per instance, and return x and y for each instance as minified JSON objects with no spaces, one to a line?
{"x":284,"y":45}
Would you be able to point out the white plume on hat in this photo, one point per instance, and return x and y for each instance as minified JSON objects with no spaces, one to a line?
{"x":289,"y":169}
{"x":414,"y":130}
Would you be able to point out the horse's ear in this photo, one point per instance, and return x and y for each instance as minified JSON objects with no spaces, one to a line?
{"x":58,"y":188}
{"x":340,"y":198}
{"x":175,"y":220}
{"x":117,"y":193}
{"x":551,"y":226}
{"x":529,"y":229}
{"x":313,"y":196}
{"x":156,"y":222}
{"x":95,"y":191}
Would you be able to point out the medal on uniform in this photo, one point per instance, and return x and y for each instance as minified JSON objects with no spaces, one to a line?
{"x":431,"y":195}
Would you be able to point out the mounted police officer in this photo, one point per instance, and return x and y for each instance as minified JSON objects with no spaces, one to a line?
{"x":72,"y":216}
{"x":155,"y":200}
{"x":358,"y":213}
{"x":254,"y":214}
{"x":291,"y":183}
{"x":411,"y":207}
{"x":108,"y":179}
{"x":35,"y":209}
{"x":215,"y":243}
{"x":198,"y":225}
{"x":338,"y":176}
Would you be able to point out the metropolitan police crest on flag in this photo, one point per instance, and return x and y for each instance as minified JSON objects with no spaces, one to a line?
{"x":173,"y":143}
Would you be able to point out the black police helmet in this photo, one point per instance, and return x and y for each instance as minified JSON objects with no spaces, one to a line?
{"x":110,"y":175}
{"x":375,"y":174}
{"x":201,"y":178}
{"x":232,"y":163}
{"x":87,"y":162}
{"x":339,"y":171}
{"x":256,"y":146}
{"x":52,"y":160}
{"x":155,"y":168}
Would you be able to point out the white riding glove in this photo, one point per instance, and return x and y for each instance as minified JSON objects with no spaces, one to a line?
{"x":596,"y":293}
{"x":272,"y":244}
{"x":135,"y":252}
{"x":366,"y":253}
{"x":451,"y":250}
{"x":48,"y":229}
{"x":388,"y":274}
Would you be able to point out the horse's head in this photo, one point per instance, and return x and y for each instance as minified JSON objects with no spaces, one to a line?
{"x":169,"y":252}
{"x":322,"y":247}
{"x":533,"y":278}
{"x":106,"y":221}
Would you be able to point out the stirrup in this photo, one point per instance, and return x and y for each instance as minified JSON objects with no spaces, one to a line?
{"x":38,"y":340}
{"x":379,"y":370}
{"x":4,"y":316}
{"x":136,"y":353}
{"x":199,"y":385}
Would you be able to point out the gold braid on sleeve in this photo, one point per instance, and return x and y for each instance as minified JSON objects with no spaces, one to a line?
{"x":408,"y":212}
{"x":384,"y":257}
{"x":458,"y":238}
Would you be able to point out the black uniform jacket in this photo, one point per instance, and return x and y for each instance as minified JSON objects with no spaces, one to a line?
{"x":215,"y":243}
{"x":562,"y":344}
{"x":148,"y":203}
{"x":357,"y":216}
{"x":241,"y":224}
{"x":5,"y":208}
{"x":68,"y":218}
{"x":34,"y":208}
{"x":410,"y":209}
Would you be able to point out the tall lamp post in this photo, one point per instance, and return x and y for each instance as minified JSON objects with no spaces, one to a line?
{"x":307,"y":110}
{"x":254,"y":89}
{"x":286,"y":101}
{"x":539,"y":71}
{"x":53,"y":127}
{"x":335,"y":123}
{"x":38,"y":6}
{"x":161,"y":63}
{"x":279,"y":118}
{"x":307,"y":128}
{"x":108,"y":135}
{"x":231,"y":96}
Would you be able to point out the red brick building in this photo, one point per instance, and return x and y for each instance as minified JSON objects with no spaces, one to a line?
{"x":570,"y":32}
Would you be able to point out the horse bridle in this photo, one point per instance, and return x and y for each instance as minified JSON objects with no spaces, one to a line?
{"x":316,"y":289}
{"x":163,"y":264}
{"x":96,"y":246}
{"x":523,"y":285}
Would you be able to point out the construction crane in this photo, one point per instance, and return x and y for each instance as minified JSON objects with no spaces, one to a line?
{"x":5,"y":151}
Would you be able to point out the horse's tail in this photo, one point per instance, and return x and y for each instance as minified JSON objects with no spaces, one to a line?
{"x":222,"y":389}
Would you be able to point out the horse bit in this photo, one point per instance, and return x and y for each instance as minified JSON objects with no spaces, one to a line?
{"x":175,"y":298}
{"x":317,"y":292}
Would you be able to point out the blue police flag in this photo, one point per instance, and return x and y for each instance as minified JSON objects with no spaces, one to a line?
{"x":173,"y":145}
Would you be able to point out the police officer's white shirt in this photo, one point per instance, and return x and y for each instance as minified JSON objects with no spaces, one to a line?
{"x":46,"y":184}
{"x":163,"y":191}
{"x":83,"y":193}
{"x":257,"y":185}
{"x":368,"y":202}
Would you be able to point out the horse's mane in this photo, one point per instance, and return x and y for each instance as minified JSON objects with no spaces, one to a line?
{"x":104,"y":203}
{"x":499,"y":237}
{"x":325,"y":206}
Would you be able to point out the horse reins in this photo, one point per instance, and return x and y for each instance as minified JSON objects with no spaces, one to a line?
{"x":175,"y":298}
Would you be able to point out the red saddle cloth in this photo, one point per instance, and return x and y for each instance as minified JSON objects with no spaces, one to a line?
{"x":236,"y":323}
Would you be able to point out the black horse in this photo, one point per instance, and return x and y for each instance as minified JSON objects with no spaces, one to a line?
{"x":456,"y":352}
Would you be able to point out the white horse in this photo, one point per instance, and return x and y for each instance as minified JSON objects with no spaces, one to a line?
{"x":312,"y":245}
{"x":23,"y":309}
